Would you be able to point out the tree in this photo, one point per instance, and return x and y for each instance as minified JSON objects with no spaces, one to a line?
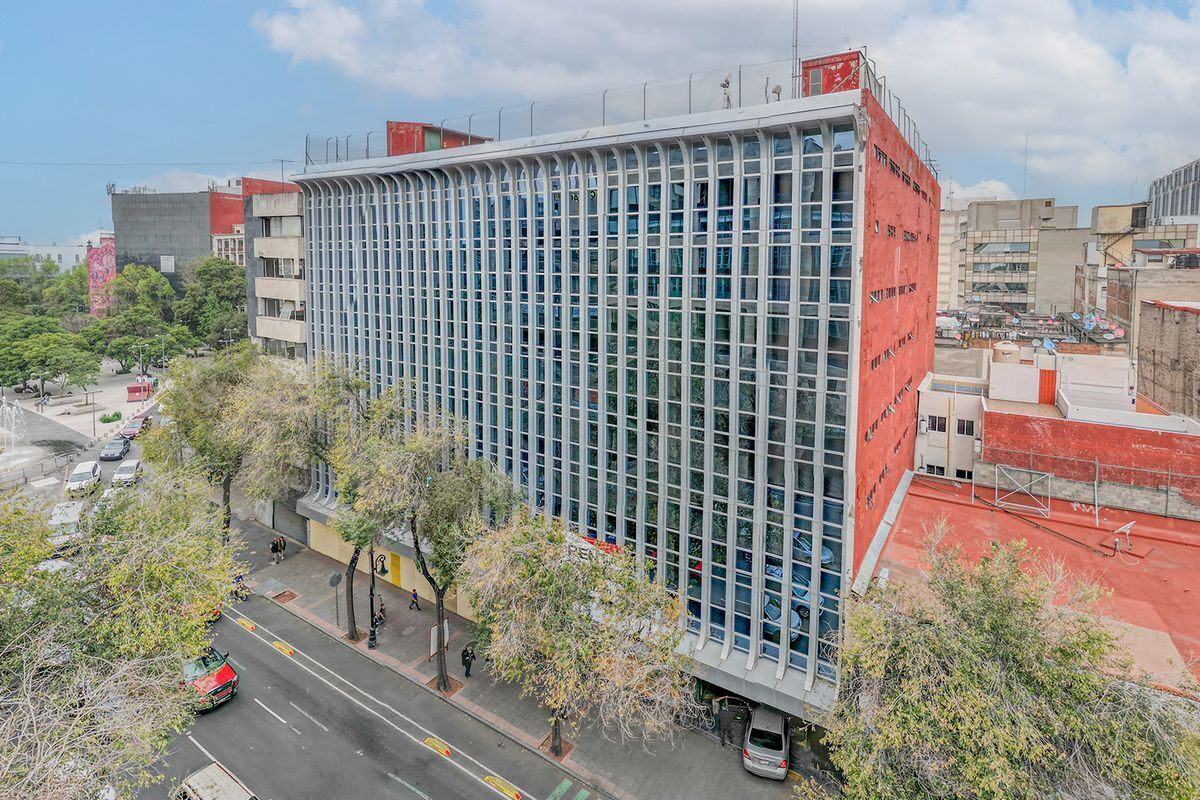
{"x":67,"y":294}
{"x":196,"y":401}
{"x":90,"y":656}
{"x":13,"y":297}
{"x":59,"y":357}
{"x":581,"y":629}
{"x":139,"y":285}
{"x":213,"y":288}
{"x":129,"y":350}
{"x":15,"y":330}
{"x":137,"y":321}
{"x":227,"y":329}
{"x":994,"y":681}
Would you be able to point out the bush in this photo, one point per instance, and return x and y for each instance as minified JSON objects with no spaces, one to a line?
{"x":113,"y":417}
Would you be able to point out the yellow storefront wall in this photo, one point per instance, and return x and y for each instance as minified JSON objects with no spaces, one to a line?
{"x":402,"y":571}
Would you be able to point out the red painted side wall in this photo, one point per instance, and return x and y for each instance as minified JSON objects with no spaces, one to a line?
{"x":225,"y":209}
{"x":838,"y":73}
{"x":900,"y":262}
{"x":253,"y":186}
{"x":1070,"y":449}
{"x":405,"y":137}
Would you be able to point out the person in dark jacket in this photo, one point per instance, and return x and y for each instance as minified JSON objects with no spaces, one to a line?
{"x":468,"y":658}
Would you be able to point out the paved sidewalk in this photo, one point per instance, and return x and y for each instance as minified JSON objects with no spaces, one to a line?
{"x":694,"y":767}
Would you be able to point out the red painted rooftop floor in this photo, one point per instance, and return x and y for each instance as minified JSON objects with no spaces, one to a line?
{"x":1155,"y":600}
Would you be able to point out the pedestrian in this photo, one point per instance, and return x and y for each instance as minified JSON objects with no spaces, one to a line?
{"x":413,"y":603}
{"x":382,"y":613}
{"x":725,"y":724}
{"x":275,"y":550}
{"x":282,"y":547}
{"x":468,"y":658}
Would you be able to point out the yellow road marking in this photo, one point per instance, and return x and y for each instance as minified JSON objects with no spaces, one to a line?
{"x":437,"y":745}
{"x":284,"y":648}
{"x":503,"y":787}
{"x":247,"y":624}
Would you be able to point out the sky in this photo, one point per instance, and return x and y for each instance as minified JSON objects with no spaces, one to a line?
{"x":1086,"y":102}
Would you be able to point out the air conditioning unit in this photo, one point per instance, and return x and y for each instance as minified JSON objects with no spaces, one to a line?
{"x":978,"y":446}
{"x":922,"y":425}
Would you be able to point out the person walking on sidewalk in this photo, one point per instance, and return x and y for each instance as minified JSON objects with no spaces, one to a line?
{"x":468,"y":658}
{"x":275,"y":550}
{"x":725,"y":724}
{"x":282,"y":547}
{"x":414,"y":602}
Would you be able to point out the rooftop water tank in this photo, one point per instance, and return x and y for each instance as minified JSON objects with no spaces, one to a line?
{"x":1006,"y":353}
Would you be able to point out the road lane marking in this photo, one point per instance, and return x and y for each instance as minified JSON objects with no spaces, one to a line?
{"x":295,"y":730}
{"x":369,"y":710}
{"x":311,"y":718}
{"x":437,"y":745}
{"x":269,"y":711}
{"x":247,"y":624}
{"x":284,"y":648}
{"x":503,"y":787}
{"x":559,"y":790}
{"x":408,"y":786}
{"x":200,"y":747}
{"x":583,"y":793}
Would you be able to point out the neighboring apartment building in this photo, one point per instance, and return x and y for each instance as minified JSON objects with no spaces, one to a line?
{"x":1176,"y":195}
{"x":1169,"y":356}
{"x":231,"y":246}
{"x":64,"y":256}
{"x":951,"y":254}
{"x":1129,"y":288}
{"x":1019,"y":255}
{"x":167,"y":230}
{"x":277,"y":293}
{"x":1043,"y":425}
{"x":696,"y":338}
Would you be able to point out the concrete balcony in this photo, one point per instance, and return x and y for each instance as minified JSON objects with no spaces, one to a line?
{"x":286,"y":204}
{"x":284,"y":330}
{"x":280,"y":289}
{"x":279,"y":247}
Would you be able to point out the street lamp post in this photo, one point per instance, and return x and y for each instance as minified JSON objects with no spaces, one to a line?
{"x":377,"y":566}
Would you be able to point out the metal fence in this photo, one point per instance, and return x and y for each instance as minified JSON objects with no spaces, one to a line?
{"x":741,"y":86}
{"x":31,"y":472}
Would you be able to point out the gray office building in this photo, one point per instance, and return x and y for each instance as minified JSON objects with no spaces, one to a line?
{"x":1176,"y":194}
{"x":162,"y":230}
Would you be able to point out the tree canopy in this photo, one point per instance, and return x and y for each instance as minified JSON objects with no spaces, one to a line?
{"x":213,"y":289}
{"x":63,"y":358}
{"x":141,"y":286}
{"x":993,"y":681}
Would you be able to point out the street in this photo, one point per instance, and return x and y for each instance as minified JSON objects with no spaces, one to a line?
{"x":326,"y":722}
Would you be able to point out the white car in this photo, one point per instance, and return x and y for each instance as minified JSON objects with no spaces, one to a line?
{"x":64,"y":526}
{"x":128,"y":472}
{"x":84,"y":478}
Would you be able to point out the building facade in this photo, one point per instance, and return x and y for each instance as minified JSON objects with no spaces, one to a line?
{"x":1169,"y":356}
{"x":64,"y":256}
{"x":1130,"y":288}
{"x":231,"y":246}
{"x":1176,"y":195}
{"x":695,"y":338}
{"x":1018,"y":255}
{"x":276,"y":290}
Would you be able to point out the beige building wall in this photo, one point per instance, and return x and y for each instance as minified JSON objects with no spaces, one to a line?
{"x":1169,"y":357}
{"x":1060,"y":251}
{"x":950,"y":258}
{"x":1129,"y":289}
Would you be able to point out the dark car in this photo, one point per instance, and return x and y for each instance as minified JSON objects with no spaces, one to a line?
{"x":134,"y":427}
{"x":115,"y":450}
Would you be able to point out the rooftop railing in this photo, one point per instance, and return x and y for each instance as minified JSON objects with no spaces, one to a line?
{"x":741,"y":86}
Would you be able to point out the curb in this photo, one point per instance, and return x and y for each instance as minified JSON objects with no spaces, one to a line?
{"x":319,"y":624}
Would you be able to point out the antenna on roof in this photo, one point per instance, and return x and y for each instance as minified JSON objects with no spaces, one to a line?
{"x":777,"y":91}
{"x":795,"y":49}
{"x":727,"y":102}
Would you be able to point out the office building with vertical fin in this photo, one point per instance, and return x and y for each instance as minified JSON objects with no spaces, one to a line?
{"x":693,"y":336}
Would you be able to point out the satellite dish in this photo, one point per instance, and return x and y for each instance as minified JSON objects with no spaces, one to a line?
{"x":1075,"y":315}
{"x":1112,"y":326}
{"x":1120,"y":332}
{"x":1049,"y":345}
{"x":1089,"y":318}
{"x":777,"y":91}
{"x":958,"y":336}
{"x":1016,"y":320}
{"x":1089,"y":326}
{"x":1109,"y":336}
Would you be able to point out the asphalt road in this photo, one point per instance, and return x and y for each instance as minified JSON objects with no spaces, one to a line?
{"x":51,"y":487}
{"x":325,"y":722}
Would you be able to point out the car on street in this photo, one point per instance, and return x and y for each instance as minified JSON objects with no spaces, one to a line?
{"x":128,"y":472}
{"x":64,"y":527}
{"x":212,"y":677}
{"x":214,"y":782}
{"x":765,"y":752}
{"x":84,"y":478}
{"x":115,"y":450}
{"x":134,"y":427}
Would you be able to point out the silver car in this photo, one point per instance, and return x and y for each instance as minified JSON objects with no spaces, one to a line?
{"x":83,"y":479}
{"x":765,"y":752}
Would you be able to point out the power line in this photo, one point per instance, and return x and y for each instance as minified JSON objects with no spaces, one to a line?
{"x":145,"y":163}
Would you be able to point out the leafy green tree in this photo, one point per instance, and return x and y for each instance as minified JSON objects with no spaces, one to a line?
{"x":59,"y":357}
{"x":33,"y":274}
{"x":994,"y":681}
{"x":213,"y":288}
{"x":581,"y":629}
{"x":90,"y":656}
{"x":196,"y":402}
{"x":67,"y":294}
{"x":227,"y":329}
{"x":140,"y":286}
{"x":136,"y":321}
{"x":13,"y":297}
{"x":130,"y":350}
{"x":15,"y":330}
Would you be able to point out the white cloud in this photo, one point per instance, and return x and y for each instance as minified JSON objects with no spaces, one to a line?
{"x":1105,"y":95}
{"x":90,"y":236}
{"x":178,"y":180}
{"x":955,"y":192}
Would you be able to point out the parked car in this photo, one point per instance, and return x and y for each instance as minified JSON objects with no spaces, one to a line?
{"x":64,"y":528}
{"x":115,"y":450}
{"x":213,"y":678}
{"x":134,"y":427}
{"x":765,"y":751}
{"x":128,"y":473}
{"x":83,"y":479}
{"x":214,"y":782}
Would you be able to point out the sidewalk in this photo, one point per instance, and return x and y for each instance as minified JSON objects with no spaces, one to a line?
{"x":694,"y":767}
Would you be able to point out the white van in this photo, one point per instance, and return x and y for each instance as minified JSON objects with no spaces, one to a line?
{"x":214,"y":782}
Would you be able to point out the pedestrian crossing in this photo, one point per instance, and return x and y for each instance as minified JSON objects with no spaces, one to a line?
{"x":560,"y":792}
